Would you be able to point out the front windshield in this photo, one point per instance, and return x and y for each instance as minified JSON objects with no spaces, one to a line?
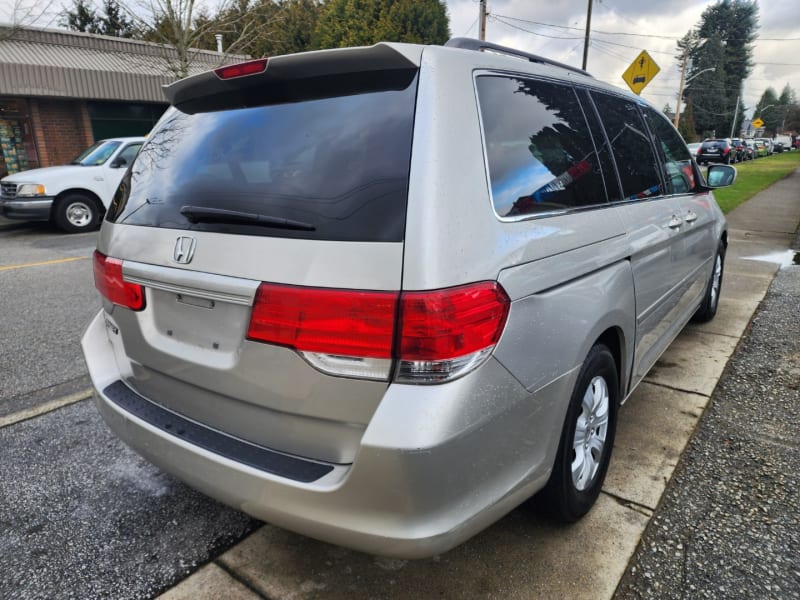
{"x":96,"y":154}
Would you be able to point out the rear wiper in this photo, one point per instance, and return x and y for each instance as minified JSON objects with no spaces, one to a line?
{"x":201,"y":214}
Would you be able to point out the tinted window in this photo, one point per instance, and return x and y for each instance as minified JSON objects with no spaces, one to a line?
{"x":337,"y":165}
{"x":613,"y":190}
{"x":540,"y":153}
{"x":631,"y":146}
{"x":678,"y":168}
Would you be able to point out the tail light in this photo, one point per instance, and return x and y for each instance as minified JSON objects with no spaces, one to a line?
{"x":435,"y":336}
{"x":110,"y":283}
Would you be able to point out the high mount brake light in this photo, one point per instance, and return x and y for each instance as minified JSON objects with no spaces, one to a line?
{"x":440,"y":334}
{"x":110,"y":283}
{"x":251,"y":67}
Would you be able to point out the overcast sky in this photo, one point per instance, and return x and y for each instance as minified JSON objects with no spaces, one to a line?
{"x":511,"y":22}
{"x":555,"y":28}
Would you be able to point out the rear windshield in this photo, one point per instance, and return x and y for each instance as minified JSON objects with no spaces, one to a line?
{"x":715,"y":144}
{"x":331,"y":168}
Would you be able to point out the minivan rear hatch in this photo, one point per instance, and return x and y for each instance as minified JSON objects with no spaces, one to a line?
{"x":283,"y":174}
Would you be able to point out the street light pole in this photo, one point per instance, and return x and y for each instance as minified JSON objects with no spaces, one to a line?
{"x":683,"y":83}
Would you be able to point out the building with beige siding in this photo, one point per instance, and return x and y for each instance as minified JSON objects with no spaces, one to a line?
{"x":60,"y":91}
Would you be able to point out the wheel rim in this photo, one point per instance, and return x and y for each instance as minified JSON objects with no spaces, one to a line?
{"x":716,"y":281}
{"x":591,"y":429}
{"x":79,"y":214}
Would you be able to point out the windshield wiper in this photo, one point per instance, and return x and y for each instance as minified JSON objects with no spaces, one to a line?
{"x":202,"y":214}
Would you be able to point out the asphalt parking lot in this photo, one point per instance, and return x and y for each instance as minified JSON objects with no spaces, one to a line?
{"x":82,"y":516}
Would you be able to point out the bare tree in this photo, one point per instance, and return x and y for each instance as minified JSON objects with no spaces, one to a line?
{"x":185,"y":27}
{"x":23,"y":13}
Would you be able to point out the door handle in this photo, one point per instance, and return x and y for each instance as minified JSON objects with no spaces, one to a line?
{"x":675,"y":222}
{"x":691,"y":217}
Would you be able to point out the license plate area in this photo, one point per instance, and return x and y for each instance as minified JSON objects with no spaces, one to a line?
{"x":203,"y":323}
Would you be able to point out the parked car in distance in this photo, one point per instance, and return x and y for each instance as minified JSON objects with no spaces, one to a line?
{"x":748,"y":148}
{"x":759,"y":149}
{"x":767,"y":145}
{"x":779,"y":147}
{"x":784,"y":140}
{"x":740,"y":148}
{"x":381,"y":296}
{"x":718,"y":150}
{"x":75,"y":196}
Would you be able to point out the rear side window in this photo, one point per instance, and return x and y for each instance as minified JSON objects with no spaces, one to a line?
{"x":539,"y":150}
{"x":326,"y":168}
{"x":630,"y":143}
{"x":678,"y":168}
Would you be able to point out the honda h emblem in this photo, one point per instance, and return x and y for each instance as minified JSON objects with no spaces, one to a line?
{"x":184,"y":249}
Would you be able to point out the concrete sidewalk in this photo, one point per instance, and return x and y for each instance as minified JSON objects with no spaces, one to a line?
{"x":523,"y":555}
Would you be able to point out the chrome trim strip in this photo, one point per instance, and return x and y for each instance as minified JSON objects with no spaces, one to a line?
{"x":193,"y":283}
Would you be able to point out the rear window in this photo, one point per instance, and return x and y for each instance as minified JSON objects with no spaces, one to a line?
{"x":330,"y":168}
{"x":715,"y":144}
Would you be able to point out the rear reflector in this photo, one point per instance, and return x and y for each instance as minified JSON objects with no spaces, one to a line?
{"x":252,"y":67}
{"x":441,"y":334}
{"x":109,"y":282}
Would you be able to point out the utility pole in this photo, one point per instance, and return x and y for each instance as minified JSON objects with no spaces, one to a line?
{"x":586,"y":41}
{"x":735,"y":113}
{"x":680,"y":88}
{"x":482,"y":19}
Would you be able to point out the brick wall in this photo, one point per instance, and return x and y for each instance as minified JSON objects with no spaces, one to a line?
{"x":61,"y":128}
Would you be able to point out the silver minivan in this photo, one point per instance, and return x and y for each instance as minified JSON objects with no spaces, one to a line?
{"x":381,"y":296}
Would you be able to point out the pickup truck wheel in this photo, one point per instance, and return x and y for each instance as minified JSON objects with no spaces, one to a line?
{"x":587,"y":438}
{"x":75,"y":213}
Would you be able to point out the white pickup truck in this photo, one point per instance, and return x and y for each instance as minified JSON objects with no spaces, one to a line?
{"x":73,"y":196}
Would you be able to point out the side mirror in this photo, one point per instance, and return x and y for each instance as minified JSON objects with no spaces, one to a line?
{"x":119,"y":162}
{"x":720,"y":175}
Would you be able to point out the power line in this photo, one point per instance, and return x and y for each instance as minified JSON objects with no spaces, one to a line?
{"x":624,"y":33}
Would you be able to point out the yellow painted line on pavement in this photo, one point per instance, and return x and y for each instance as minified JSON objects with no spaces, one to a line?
{"x":45,"y":408}
{"x":43,"y":263}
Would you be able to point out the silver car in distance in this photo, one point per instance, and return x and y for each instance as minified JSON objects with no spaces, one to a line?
{"x":381,"y":296}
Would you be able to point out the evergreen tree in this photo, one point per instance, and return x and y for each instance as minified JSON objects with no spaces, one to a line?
{"x":415,"y":22}
{"x":114,"y":21}
{"x":734,"y":23}
{"x":344,"y":23}
{"x":686,"y":126}
{"x":81,"y":17}
{"x":707,"y":91}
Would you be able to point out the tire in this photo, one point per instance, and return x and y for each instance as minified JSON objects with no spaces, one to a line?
{"x":76,"y":213}
{"x":584,"y":452}
{"x":728,"y":159}
{"x":708,"y":308}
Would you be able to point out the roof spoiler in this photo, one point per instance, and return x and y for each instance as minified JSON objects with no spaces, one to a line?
{"x":483,"y":46}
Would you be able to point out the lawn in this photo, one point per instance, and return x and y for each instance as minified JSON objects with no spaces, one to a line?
{"x":754,"y":176}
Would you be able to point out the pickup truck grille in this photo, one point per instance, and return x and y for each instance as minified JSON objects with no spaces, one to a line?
{"x":8,"y":190}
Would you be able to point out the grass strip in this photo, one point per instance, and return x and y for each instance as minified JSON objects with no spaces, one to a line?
{"x":755,"y":176}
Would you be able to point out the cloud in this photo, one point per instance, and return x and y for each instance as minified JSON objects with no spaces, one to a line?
{"x":519,"y":23}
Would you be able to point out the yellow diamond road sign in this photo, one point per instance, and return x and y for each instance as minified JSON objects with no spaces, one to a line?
{"x":641,"y":72}
{"x":758,"y":123}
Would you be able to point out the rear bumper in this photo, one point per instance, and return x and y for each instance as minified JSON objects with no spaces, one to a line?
{"x":27,"y":210}
{"x":431,"y":470}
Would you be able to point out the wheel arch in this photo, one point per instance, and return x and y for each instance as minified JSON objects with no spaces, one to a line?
{"x":77,"y":191}
{"x":613,"y":338}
